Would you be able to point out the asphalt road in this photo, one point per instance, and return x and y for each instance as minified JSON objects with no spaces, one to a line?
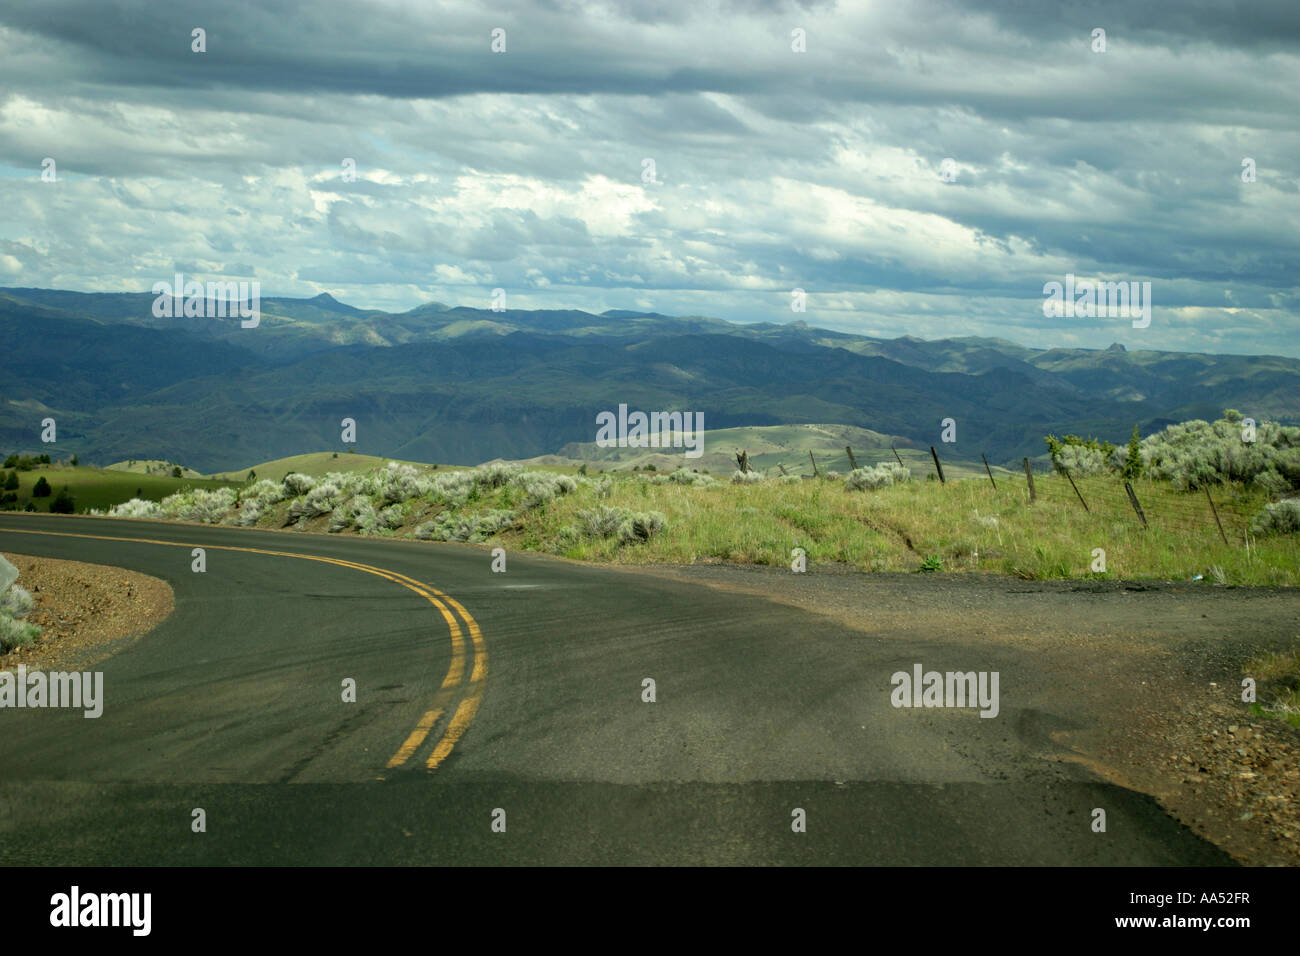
{"x":521,"y":692}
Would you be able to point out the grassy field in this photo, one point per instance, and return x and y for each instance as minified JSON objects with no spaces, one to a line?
{"x":961,"y":526}
{"x":964,"y":525}
{"x":102,"y":487}
{"x":917,"y":525}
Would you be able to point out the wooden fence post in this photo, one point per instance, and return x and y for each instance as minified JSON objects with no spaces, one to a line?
{"x":1133,"y":498}
{"x":937,"y":467}
{"x":1033,"y":495}
{"x":895,"y":451}
{"x":814,"y":461}
{"x":1076,"y":490}
{"x":990,"y":471}
{"x":1215,"y":511}
{"x":853,"y":462}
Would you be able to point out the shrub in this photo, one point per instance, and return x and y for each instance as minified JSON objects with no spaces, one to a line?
{"x":297,"y":484}
{"x":249,"y":513}
{"x":739,"y":477}
{"x":42,"y":488}
{"x":15,"y":634}
{"x":1194,"y":454}
{"x":16,"y":601}
{"x":11,"y":482}
{"x":1080,"y":456}
{"x":1278,"y":517}
{"x":876,"y":476}
{"x":63,"y":503}
{"x":204,"y":505}
{"x":451,"y":527}
{"x":136,"y":508}
{"x":628,"y":526}
{"x":321,"y":500}
{"x":264,"y":492}
{"x":683,"y":477}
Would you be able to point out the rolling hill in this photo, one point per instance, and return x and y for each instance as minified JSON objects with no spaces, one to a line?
{"x":447,"y":384}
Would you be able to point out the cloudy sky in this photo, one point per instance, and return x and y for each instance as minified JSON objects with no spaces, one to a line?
{"x":921,"y":168}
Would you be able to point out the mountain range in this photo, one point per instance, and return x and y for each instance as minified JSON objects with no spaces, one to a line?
{"x":462,"y":385}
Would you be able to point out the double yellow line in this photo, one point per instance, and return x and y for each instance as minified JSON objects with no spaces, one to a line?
{"x":454,"y":678}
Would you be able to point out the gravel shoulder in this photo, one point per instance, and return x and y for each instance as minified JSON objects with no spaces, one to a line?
{"x":1149,"y":674}
{"x":86,"y":611}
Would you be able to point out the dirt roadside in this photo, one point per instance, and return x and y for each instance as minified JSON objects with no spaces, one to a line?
{"x":1153,"y":669}
{"x":85,"y":611}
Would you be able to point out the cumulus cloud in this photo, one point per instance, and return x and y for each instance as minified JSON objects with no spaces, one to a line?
{"x":921,"y":169}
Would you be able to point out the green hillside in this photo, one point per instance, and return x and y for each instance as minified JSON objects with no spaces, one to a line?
{"x":315,"y":464}
{"x":152,"y":466}
{"x":98,"y":487}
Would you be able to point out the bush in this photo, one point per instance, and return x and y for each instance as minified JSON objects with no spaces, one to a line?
{"x":1195,"y":454}
{"x":16,"y":601}
{"x":1080,"y":456}
{"x":263,"y":493}
{"x":15,"y":634}
{"x":297,"y":484}
{"x":1278,"y":517}
{"x":136,"y":508}
{"x":876,"y":476}
{"x":249,"y":513}
{"x":42,"y":488}
{"x":11,"y":482}
{"x":321,"y":500}
{"x":739,"y":477}
{"x":63,"y":503}
{"x":204,"y":505}
{"x":451,"y":527}
{"x":628,"y":526}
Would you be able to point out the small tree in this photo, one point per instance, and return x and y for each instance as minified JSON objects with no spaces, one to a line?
{"x":44,"y":459}
{"x":251,"y":475}
{"x":176,"y":472}
{"x":12,"y":461}
{"x":75,"y":461}
{"x":11,"y":482}
{"x":63,"y":503}
{"x":1133,"y":461}
{"x":42,"y":488}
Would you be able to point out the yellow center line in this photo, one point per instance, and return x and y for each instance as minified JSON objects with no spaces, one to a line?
{"x":455,"y":670}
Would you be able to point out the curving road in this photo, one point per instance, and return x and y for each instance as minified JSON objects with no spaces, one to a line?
{"x":522,"y":692}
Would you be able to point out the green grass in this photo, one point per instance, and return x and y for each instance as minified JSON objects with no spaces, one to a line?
{"x":964,"y":524}
{"x":1277,"y":677}
{"x":960,"y":526}
{"x":102,"y":487}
